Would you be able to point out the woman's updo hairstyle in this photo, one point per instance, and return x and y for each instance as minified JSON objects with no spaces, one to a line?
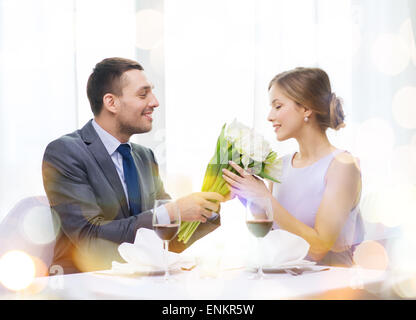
{"x":310,"y":87}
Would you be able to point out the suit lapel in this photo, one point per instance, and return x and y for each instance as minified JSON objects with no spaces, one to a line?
{"x":97,"y":149}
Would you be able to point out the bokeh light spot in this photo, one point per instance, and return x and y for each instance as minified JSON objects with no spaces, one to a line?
{"x":404,"y":107}
{"x":392,"y":205}
{"x":149,"y":29}
{"x":95,"y":255}
{"x":17,"y":270}
{"x":40,"y":225}
{"x":403,"y":164}
{"x":373,"y":145}
{"x":371,"y":255}
{"x":374,"y":134}
{"x":390,"y":53}
{"x":407,"y":288}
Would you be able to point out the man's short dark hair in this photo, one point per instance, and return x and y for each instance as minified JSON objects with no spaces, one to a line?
{"x":106,"y":78}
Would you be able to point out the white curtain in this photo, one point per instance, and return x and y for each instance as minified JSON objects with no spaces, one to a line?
{"x":209,"y":63}
{"x":384,"y":110}
{"x":47,"y":51}
{"x":37,"y":91}
{"x":221,"y":55}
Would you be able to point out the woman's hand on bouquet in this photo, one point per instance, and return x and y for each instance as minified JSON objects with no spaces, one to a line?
{"x":244,"y":185}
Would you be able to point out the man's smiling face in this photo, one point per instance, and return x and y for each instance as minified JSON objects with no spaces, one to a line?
{"x":136,"y":103}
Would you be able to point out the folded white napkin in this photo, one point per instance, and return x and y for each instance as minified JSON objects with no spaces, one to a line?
{"x":146,"y":254}
{"x":280,"y":247}
{"x":232,"y":248}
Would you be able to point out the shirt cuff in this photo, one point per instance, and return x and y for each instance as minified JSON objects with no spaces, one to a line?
{"x":162,"y":215}
{"x":213,"y":216}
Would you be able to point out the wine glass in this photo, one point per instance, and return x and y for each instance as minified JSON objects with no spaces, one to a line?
{"x":166,"y":221}
{"x":259,"y":221}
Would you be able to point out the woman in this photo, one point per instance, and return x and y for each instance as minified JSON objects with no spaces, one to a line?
{"x":320,"y":187}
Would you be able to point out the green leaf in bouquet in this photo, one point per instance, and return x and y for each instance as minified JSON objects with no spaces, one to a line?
{"x":266,"y":176}
{"x":210,"y":172}
{"x":271,"y":157}
{"x":231,"y":154}
{"x":272,"y":167}
{"x":220,"y":143}
{"x":213,"y":166}
{"x":221,"y":162}
{"x":256,"y":167}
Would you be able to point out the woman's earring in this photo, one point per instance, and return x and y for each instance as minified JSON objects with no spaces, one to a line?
{"x":306,"y":119}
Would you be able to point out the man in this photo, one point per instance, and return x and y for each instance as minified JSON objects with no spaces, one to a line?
{"x":101,"y":185}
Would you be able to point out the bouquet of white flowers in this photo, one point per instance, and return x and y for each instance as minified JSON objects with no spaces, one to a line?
{"x":243,"y":146}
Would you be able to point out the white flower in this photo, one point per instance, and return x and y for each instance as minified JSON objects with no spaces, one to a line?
{"x":245,"y":160}
{"x":236,"y":131}
{"x":273,"y":168}
{"x":260,"y":148}
{"x":247,"y":142}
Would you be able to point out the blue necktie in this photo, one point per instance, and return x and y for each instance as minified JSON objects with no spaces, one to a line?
{"x":131,"y":178}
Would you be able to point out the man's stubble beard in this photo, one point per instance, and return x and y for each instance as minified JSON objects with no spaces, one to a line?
{"x":129,"y":130}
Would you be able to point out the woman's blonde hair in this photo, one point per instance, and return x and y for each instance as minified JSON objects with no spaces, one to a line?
{"x":310,"y":87}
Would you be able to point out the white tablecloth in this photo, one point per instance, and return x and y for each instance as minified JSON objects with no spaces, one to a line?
{"x":231,"y":284}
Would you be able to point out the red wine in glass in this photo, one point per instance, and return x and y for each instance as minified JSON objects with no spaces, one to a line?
{"x":166,"y":221}
{"x":166,"y":231}
{"x":259,"y":221}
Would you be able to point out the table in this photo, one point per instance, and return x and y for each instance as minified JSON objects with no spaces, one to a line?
{"x":228,"y":285}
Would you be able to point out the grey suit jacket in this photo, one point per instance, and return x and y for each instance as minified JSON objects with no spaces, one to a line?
{"x":85,"y":191}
